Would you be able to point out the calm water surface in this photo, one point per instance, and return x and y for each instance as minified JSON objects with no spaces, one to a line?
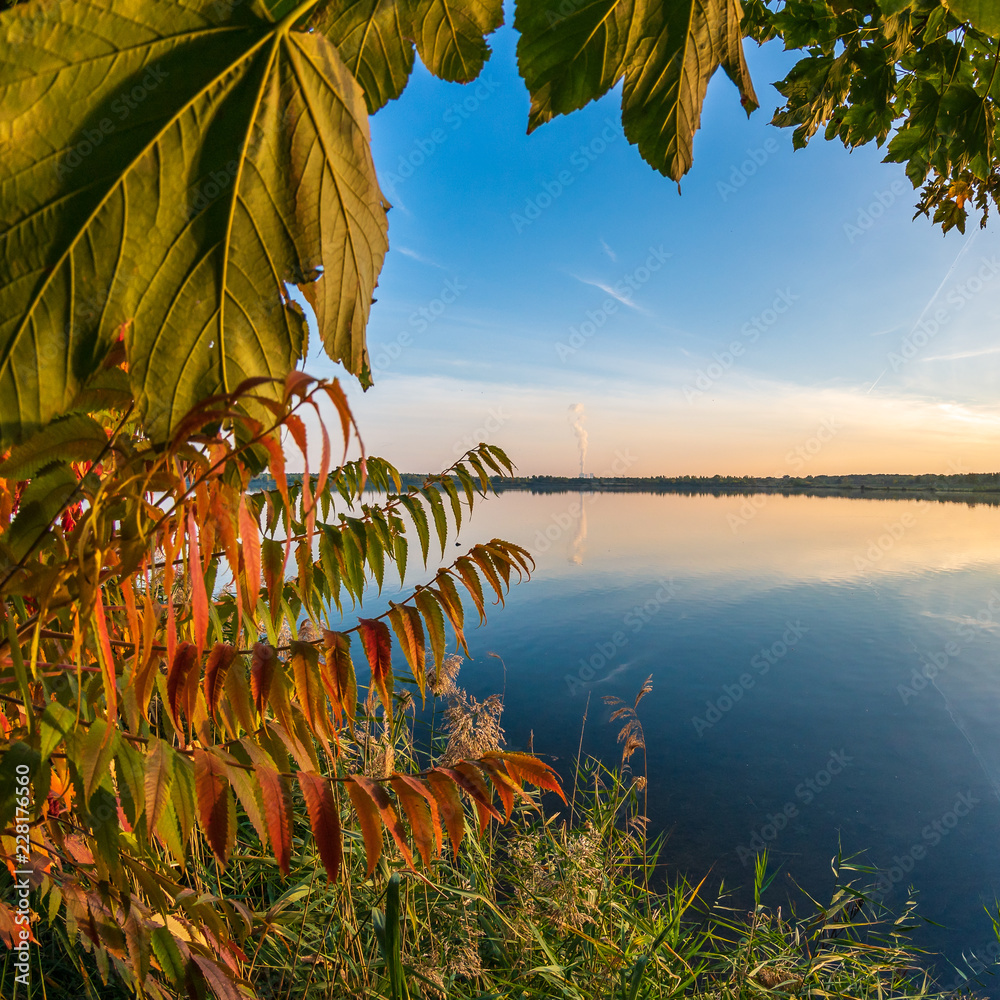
{"x":788,"y":705}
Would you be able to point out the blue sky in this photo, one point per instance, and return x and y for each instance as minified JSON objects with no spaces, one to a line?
{"x":765,"y":320}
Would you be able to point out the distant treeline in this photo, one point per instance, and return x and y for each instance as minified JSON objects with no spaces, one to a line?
{"x":967,"y":483}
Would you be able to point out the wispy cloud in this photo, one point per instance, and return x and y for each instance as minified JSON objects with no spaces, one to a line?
{"x":608,"y":290}
{"x":407,"y":252}
{"x":609,"y":251}
{"x":961,"y":355}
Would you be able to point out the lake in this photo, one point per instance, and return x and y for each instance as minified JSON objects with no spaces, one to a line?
{"x":826,"y":673}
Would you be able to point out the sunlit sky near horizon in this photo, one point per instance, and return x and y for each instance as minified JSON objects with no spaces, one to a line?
{"x":493,"y":310}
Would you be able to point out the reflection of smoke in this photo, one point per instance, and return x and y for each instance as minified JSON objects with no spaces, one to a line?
{"x":579,"y":545}
{"x":577,"y":417}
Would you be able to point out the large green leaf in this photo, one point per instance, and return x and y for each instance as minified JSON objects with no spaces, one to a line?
{"x":376,"y":39}
{"x":679,"y":47}
{"x":175,"y":166}
{"x":573,"y":52}
{"x":568,"y":59}
{"x":981,"y":14}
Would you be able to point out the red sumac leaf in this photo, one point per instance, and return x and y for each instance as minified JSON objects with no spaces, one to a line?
{"x":525,"y":767}
{"x":216,"y":808}
{"x":380,"y":797}
{"x":199,"y":596}
{"x":219,"y":661}
{"x":409,"y":631}
{"x":219,"y":981}
{"x":179,"y":675}
{"x":262,"y":665}
{"x":368,"y":820}
{"x":324,"y":820}
{"x":250,"y":549}
{"x":445,"y":791}
{"x":276,"y":797}
{"x":377,"y":644}
{"x":421,"y":810}
{"x":337,"y":674}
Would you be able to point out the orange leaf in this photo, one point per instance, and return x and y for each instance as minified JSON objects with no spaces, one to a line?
{"x":156,"y":782}
{"x":324,"y":820}
{"x":216,"y":808}
{"x":504,"y":786}
{"x":445,"y":791}
{"x":418,"y":803}
{"x":378,"y":648}
{"x":182,"y":669}
{"x":337,"y":674}
{"x":380,"y":797}
{"x":471,"y":781}
{"x":276,"y":796}
{"x":407,"y":625}
{"x":107,"y":662}
{"x":525,"y":767}
{"x":219,"y":661}
{"x":262,"y":665}
{"x":371,"y":828}
{"x":199,"y":597}
{"x":305,"y":671}
{"x":250,"y":538}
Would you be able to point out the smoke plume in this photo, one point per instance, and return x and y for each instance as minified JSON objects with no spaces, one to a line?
{"x":577,"y":418}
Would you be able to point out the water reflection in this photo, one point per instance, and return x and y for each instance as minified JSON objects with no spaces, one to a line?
{"x":826,"y":676}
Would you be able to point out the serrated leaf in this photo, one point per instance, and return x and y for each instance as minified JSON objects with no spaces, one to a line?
{"x":466,"y":569}
{"x":308,"y":686}
{"x":324,"y":820}
{"x":368,"y":820}
{"x":216,"y":809}
{"x":158,"y":780}
{"x":421,"y":810}
{"x":390,"y":819}
{"x":212,"y":156}
{"x":182,"y":677}
{"x":419,"y":517}
{"x":436,"y":502}
{"x":373,"y":40}
{"x":76,"y":438}
{"x":981,"y":14}
{"x":445,"y":791}
{"x":525,"y":767}
{"x":430,"y":607}
{"x":337,"y":675}
{"x":276,"y":797}
{"x":377,"y":644}
{"x":450,"y":34}
{"x":216,"y":672}
{"x":409,"y":631}
{"x":262,"y":666}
